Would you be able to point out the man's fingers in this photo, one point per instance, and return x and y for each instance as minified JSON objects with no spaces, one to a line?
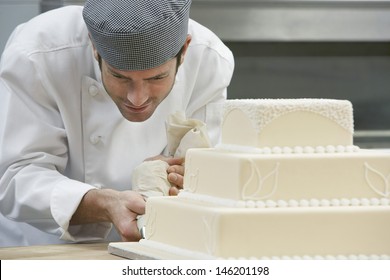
{"x":176,"y":179}
{"x":174,"y":161}
{"x":173,"y":191}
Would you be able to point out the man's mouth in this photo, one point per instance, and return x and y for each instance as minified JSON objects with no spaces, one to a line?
{"x":136,"y":109}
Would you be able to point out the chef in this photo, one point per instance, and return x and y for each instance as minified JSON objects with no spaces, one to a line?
{"x":84,"y":96}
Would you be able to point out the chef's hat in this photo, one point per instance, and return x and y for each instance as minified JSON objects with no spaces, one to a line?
{"x":137,"y":34}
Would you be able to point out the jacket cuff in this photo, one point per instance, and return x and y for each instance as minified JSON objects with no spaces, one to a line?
{"x":65,"y":199}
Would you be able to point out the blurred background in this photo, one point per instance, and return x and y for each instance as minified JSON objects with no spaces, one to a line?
{"x":290,"y":49}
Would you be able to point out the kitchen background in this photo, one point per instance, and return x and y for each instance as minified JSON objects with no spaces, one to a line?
{"x":289,"y":49}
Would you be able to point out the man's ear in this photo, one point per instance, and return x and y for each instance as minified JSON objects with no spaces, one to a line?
{"x":185,"y":48}
{"x":95,"y":53}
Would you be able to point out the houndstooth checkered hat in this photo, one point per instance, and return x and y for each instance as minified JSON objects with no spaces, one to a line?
{"x":137,"y":34}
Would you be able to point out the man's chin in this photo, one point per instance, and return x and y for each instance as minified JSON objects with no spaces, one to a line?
{"x":141,"y":117}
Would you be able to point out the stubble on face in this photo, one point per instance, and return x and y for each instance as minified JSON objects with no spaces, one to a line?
{"x":124,"y":88}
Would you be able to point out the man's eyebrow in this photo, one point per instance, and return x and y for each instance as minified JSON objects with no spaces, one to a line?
{"x":113,"y":72}
{"x":158,"y":76}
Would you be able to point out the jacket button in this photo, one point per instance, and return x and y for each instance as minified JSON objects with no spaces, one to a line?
{"x":94,"y":139}
{"x":93,"y":90}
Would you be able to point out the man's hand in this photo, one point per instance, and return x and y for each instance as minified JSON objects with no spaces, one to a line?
{"x":175,"y":172}
{"x":123,"y":212}
{"x":175,"y":177}
{"x":107,"y":205}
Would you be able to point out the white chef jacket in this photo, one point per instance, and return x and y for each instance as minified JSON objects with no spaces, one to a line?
{"x":61,"y":135}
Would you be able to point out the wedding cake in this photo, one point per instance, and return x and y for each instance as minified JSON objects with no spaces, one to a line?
{"x":286,"y":182}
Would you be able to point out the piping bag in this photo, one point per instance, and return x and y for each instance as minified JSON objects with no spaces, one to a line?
{"x":150,"y":177}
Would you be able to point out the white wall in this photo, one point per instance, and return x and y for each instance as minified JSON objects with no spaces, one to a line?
{"x":14,"y":12}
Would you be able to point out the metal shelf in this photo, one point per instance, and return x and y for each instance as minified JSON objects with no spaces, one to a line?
{"x":295,"y":20}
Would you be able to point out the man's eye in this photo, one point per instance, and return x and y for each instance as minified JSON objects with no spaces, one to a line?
{"x":117,"y":76}
{"x":159,"y":77}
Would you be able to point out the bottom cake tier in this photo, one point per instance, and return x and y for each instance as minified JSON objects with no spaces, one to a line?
{"x":193,"y":230}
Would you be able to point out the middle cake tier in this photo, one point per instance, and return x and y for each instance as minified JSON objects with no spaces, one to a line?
{"x":360,"y":177}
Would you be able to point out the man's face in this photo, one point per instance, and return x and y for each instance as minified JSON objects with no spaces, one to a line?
{"x":138,"y":93}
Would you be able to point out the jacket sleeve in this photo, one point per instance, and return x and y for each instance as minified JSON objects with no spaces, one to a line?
{"x":34,"y":153}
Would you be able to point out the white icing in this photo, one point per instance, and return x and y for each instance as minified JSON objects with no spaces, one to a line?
{"x":259,"y":204}
{"x":355,"y":202}
{"x":320,"y":149}
{"x":250,"y":204}
{"x":293,"y":203}
{"x":282,"y":203}
{"x":308,"y":150}
{"x":304,"y":203}
{"x":263,"y":111}
{"x":287,"y":150}
{"x":269,"y":203}
{"x":384,"y":201}
{"x":365,"y":202}
{"x":329,"y":257}
{"x":211,"y":200}
{"x":340,"y":149}
{"x":314,"y":202}
{"x":330,"y":149}
{"x":189,"y":254}
{"x":325,"y":203}
{"x":374,"y":201}
{"x":277,"y":150}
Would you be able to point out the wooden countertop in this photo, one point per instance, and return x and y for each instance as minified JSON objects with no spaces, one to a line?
{"x":90,"y":251}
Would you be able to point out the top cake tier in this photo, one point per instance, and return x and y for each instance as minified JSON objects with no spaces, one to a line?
{"x":263,"y":123}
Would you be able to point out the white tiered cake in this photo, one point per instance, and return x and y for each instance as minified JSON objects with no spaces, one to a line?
{"x":285,"y":182}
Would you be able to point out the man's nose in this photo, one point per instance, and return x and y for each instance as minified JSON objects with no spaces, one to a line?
{"x":137,"y":94}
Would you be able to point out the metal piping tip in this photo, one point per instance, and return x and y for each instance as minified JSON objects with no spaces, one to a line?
{"x":142,"y":231}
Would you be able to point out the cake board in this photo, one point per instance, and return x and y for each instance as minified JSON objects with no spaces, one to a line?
{"x":137,"y":251}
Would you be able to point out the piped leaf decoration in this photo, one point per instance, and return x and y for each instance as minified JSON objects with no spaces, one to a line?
{"x":266,"y":186}
{"x":152,"y":221}
{"x":193,"y":185}
{"x":193,"y":178}
{"x":378,"y":182}
{"x":209,"y":225}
